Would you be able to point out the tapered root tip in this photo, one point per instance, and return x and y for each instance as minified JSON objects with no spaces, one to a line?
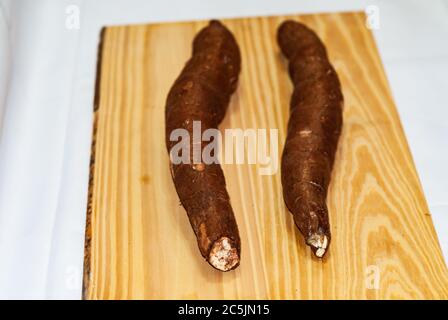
{"x":224,"y":256}
{"x":319,"y":244}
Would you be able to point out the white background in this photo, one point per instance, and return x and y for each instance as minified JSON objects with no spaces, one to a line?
{"x":46,"y":132}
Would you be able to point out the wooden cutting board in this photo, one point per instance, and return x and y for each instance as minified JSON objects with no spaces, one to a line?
{"x":139,"y":243}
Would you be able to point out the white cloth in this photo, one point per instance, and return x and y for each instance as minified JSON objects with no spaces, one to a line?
{"x":45,"y":146}
{"x":5,"y":52}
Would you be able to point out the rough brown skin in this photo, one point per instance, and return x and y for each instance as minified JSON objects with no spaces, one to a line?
{"x":202,"y":93}
{"x":313,"y":132}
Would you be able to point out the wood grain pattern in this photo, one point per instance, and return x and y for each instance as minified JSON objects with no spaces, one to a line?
{"x":141,"y":245}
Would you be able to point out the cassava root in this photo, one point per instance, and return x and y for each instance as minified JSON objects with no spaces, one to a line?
{"x":202,"y":93}
{"x":313,"y":132}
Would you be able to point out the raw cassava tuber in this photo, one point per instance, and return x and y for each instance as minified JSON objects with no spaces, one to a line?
{"x":313,"y":132}
{"x":202,"y":93}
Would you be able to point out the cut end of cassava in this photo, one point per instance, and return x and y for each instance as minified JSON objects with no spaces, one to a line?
{"x":224,"y":255}
{"x":319,"y":244}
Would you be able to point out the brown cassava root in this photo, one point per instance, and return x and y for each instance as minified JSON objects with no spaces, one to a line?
{"x":202,"y":93}
{"x":313,"y":133}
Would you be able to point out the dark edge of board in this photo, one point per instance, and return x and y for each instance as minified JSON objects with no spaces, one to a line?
{"x":88,"y":228}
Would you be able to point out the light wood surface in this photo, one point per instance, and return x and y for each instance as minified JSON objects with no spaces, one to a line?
{"x":139,"y":242}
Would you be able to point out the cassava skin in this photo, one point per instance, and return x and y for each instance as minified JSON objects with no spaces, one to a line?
{"x":313,"y":132}
{"x":202,"y":93}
